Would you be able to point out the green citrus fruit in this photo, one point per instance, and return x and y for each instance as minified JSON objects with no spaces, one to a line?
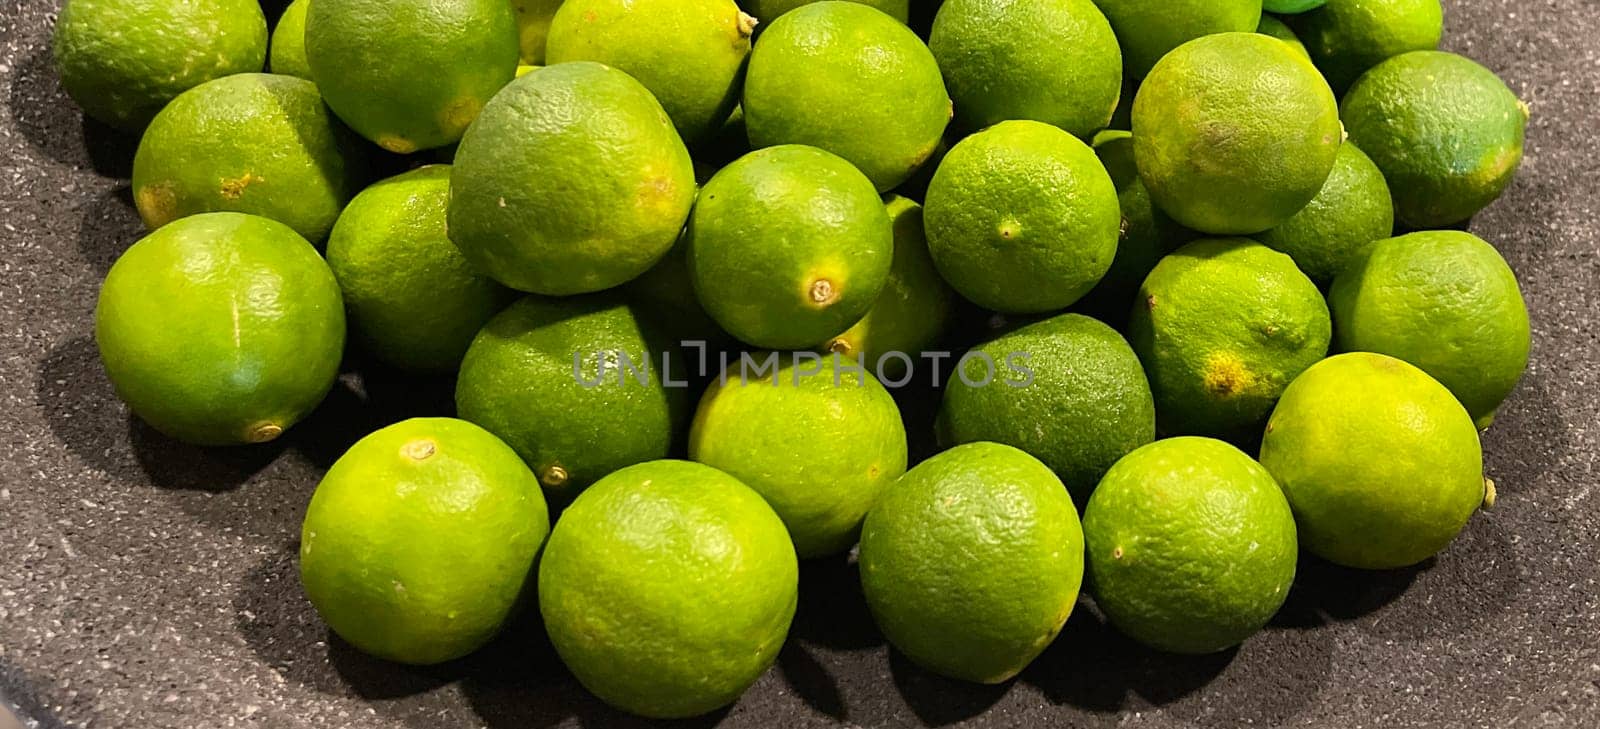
{"x":915,"y":307}
{"x":1444,"y":301}
{"x":1381,"y":464}
{"x":789,"y":246}
{"x":1351,"y":212}
{"x":668,"y":588}
{"x":769,"y":10}
{"x":288,"y":54}
{"x":411,"y":74}
{"x":253,"y":143}
{"x":1290,"y":7}
{"x":1277,"y":29}
{"x":1150,"y":29}
{"x":1347,"y":37}
{"x":1446,"y":132}
{"x":572,"y":181}
{"x":851,"y":80}
{"x":1022,"y":218}
{"x":221,"y":329}
{"x":419,"y":543}
{"x":1190,"y":545}
{"x":412,"y":298}
{"x":533,"y":28}
{"x":1054,"y":61}
{"x":1235,"y":133}
{"x":972,"y":561}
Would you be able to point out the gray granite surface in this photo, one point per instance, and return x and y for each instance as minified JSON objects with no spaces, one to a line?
{"x":147,"y":584}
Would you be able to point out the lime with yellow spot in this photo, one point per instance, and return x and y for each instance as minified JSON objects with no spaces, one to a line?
{"x":1278,"y":29}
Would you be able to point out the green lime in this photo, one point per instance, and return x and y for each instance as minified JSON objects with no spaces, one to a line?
{"x":1291,"y":7}
{"x":571,"y":181}
{"x":288,"y":55}
{"x":1234,"y":133}
{"x":851,"y":80}
{"x":1380,"y":463}
{"x":1446,"y":132}
{"x":533,"y":27}
{"x":915,"y":307}
{"x":769,"y":10}
{"x":420,"y":541}
{"x":1054,"y":61}
{"x":971,"y":562}
{"x":1190,"y":545}
{"x":1022,"y":218}
{"x":1444,"y":301}
{"x":1351,"y":212}
{"x":1150,"y":29}
{"x":668,"y":588}
{"x":221,"y":329}
{"x":1347,"y":37}
{"x":1277,"y":29}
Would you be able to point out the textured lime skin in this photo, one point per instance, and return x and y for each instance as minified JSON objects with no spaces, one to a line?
{"x":972,"y":561}
{"x":1190,"y":545}
{"x":818,"y":446}
{"x":851,"y":80}
{"x":1277,"y":29}
{"x":1444,"y":301}
{"x":572,"y":181}
{"x":413,"y":300}
{"x":1147,"y":234}
{"x":1087,"y":405}
{"x":1290,"y":7}
{"x":668,"y":588}
{"x":916,"y":304}
{"x":1150,"y":29}
{"x":411,"y":74}
{"x":1347,"y":37}
{"x":221,"y":329}
{"x":1054,"y":61}
{"x":1022,"y":218}
{"x":1352,"y":211}
{"x":769,"y":10}
{"x":419,"y":543}
{"x":124,"y":60}
{"x":288,"y":50}
{"x":1234,"y":133}
{"x":1446,"y":132}
{"x":253,"y":143}
{"x":533,"y":28}
{"x":1223,"y":326}
{"x":1380,"y":463}
{"x":789,"y":246}
{"x":574,"y":424}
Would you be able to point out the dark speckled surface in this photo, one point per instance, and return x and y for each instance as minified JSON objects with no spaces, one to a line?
{"x":146,"y":584}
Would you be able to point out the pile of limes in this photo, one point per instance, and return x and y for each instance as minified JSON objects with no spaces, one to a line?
{"x":1169,"y":212}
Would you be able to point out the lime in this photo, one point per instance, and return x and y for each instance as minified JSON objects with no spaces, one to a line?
{"x":1277,"y":29}
{"x":1352,"y":211}
{"x":915,"y":307}
{"x":1290,"y":7}
{"x":1150,"y":29}
{"x":533,"y":27}
{"x":288,"y":55}
{"x":1347,"y":37}
{"x":769,"y":10}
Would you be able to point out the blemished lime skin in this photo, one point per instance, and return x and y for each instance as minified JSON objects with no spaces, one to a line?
{"x":1380,"y":463}
{"x":124,"y":60}
{"x":253,"y":143}
{"x":1083,"y":403}
{"x":1278,"y":29}
{"x":533,"y":28}
{"x":572,"y":181}
{"x":689,"y":53}
{"x":1444,"y":301}
{"x":789,"y":246}
{"x":972,"y":561}
{"x":1054,"y":61}
{"x":413,"y":300}
{"x":769,"y":10}
{"x":1234,"y":133}
{"x":1347,"y":37}
{"x":916,"y":305}
{"x":1150,"y":29}
{"x":419,"y":544}
{"x":411,"y":74}
{"x":849,"y":79}
{"x":1446,"y":132}
{"x":221,"y":329}
{"x":288,"y":51}
{"x":1022,"y":218}
{"x":1190,"y":545}
{"x":668,"y":588}
{"x":1353,"y":211}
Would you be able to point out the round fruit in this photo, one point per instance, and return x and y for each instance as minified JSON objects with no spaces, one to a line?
{"x":253,"y":143}
{"x":848,"y":79}
{"x":668,"y":588}
{"x":533,"y":28}
{"x":413,"y":299}
{"x":1444,"y":301}
{"x":1352,"y":211}
{"x":1150,"y":29}
{"x":124,"y":60}
{"x":1380,"y":463}
{"x":221,"y":329}
{"x":1234,"y":133}
{"x":1290,"y":7}
{"x":1347,"y":37}
{"x":1054,"y":61}
{"x":1190,"y":545}
{"x":1068,"y":390}
{"x":571,"y":181}
{"x":789,"y":246}
{"x":411,"y":74}
{"x":1022,"y":218}
{"x":420,"y":541}
{"x":817,"y":440}
{"x":288,"y":55}
{"x":1446,"y":132}
{"x":971,"y":562}
{"x":915,"y":307}
{"x":1277,"y":29}
{"x":1223,"y":326}
{"x":1147,"y":234}
{"x":769,"y":10}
